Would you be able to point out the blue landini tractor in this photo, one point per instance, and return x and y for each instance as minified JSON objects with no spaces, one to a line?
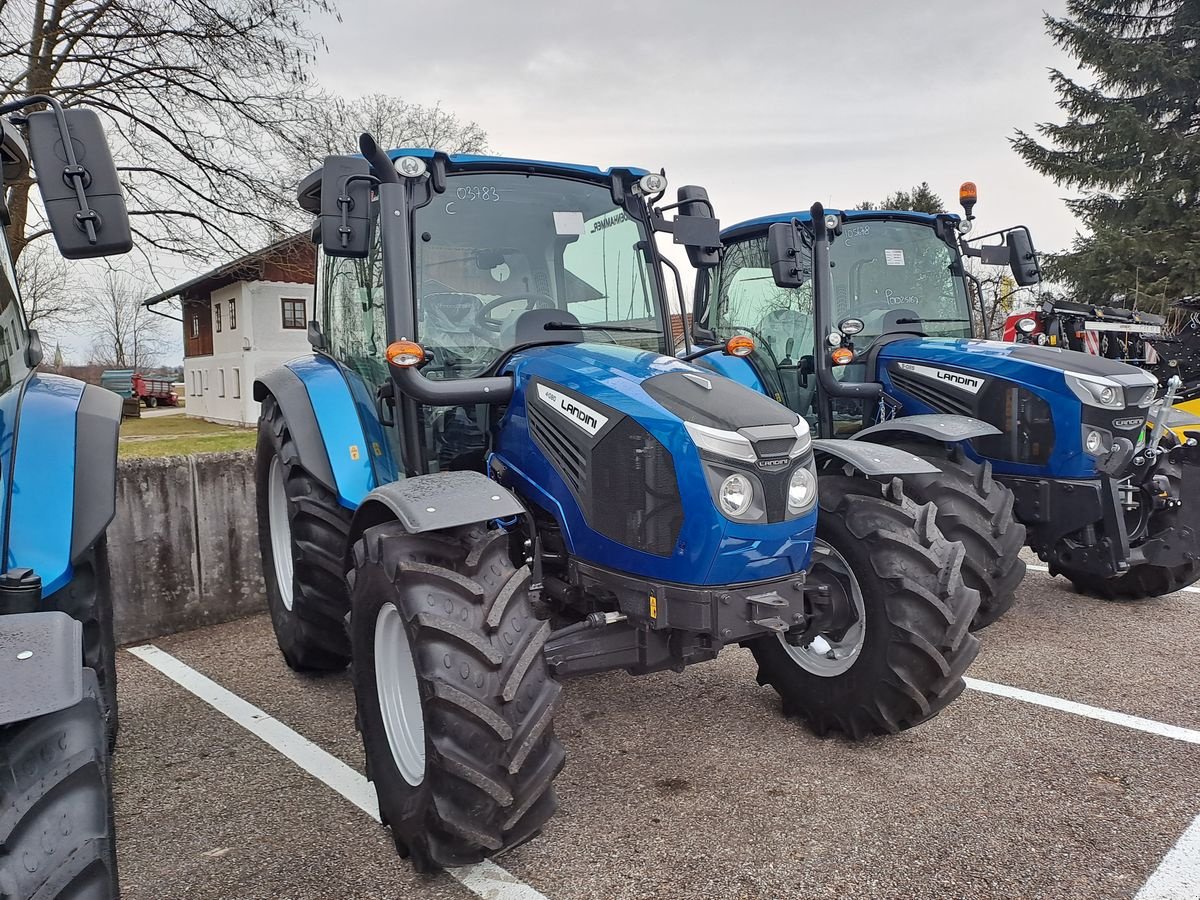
{"x":58,"y":461}
{"x":495,"y":466}
{"x":863,"y":324}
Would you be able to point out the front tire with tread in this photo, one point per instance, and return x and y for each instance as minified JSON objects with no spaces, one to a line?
{"x":917,"y":612}
{"x":487,"y":697}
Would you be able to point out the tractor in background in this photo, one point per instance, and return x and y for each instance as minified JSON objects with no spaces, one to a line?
{"x":493,"y":467}
{"x":58,"y":463}
{"x":863,"y":323}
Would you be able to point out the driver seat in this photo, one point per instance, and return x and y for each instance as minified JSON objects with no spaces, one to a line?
{"x":530,"y":328}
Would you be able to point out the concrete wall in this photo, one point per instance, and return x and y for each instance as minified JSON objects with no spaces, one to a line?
{"x":183,"y":547}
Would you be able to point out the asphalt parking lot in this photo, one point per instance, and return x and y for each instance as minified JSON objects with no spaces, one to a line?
{"x":692,"y":785}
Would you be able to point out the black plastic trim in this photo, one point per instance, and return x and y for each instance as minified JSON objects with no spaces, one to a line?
{"x":51,"y":677}
{"x":97,"y":426}
{"x":292,"y":396}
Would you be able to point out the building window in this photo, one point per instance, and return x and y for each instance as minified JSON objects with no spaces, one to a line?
{"x":220,"y":382}
{"x":232,"y":314}
{"x":195,"y":326}
{"x":204,"y":373}
{"x":237,"y":382}
{"x":217,"y":308}
{"x":293,"y":314}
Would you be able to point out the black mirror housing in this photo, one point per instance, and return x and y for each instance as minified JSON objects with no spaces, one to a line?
{"x":783,"y":252}
{"x":73,"y":203}
{"x":346,"y":222}
{"x":696,"y":228}
{"x":1021,"y":257}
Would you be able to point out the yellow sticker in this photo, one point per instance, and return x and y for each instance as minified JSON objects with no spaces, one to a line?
{"x":354,"y":451}
{"x":653,"y":607}
{"x":375,"y":446}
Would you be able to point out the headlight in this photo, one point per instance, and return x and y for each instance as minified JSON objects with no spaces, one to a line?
{"x":802,"y":490}
{"x":1094,"y":442}
{"x":1026,"y":325}
{"x":1095,"y":390}
{"x":736,"y":495}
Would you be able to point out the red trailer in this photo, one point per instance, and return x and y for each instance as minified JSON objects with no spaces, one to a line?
{"x":154,"y":391}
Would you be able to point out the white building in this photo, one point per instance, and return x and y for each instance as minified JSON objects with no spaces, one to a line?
{"x":239,"y":321}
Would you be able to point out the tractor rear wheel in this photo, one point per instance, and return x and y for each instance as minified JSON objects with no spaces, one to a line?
{"x":455,"y":701}
{"x":302,"y":533}
{"x":1145,"y":580}
{"x":977,"y":510}
{"x":88,"y":598}
{"x":57,"y":838}
{"x":898,"y":656}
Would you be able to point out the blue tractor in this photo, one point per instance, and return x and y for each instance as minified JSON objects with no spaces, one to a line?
{"x":58,"y":461}
{"x":494,"y":467}
{"x":864,"y":326}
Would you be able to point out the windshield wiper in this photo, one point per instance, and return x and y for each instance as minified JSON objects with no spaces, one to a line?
{"x":575,"y":326}
{"x":907,"y":321}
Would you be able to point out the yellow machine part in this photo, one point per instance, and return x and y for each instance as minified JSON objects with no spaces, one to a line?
{"x":1190,"y":409}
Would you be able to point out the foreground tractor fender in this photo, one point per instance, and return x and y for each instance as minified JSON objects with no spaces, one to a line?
{"x":49,"y":678}
{"x":320,"y":409}
{"x":873,"y":460}
{"x":435,"y":502}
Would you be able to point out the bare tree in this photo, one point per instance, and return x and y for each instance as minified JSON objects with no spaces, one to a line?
{"x":393,"y":122}
{"x":1000,"y":297}
{"x":47,"y":289}
{"x":205,"y":101}
{"x":126,"y":334}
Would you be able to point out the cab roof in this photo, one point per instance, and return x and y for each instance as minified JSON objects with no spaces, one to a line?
{"x":751,"y":226}
{"x":469,"y":161}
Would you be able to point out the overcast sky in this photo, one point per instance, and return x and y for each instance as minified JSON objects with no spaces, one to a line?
{"x":729,"y":95}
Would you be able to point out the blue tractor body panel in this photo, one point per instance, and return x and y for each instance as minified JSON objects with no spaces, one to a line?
{"x":711,"y":549}
{"x":733,"y":367}
{"x":350,"y":443}
{"x":995,"y":359}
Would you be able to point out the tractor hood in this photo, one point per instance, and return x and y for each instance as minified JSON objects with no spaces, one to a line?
{"x":627,"y":449}
{"x":1030,"y":393}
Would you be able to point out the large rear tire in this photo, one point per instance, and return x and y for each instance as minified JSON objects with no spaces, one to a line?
{"x":903,"y":660}
{"x":977,"y":510}
{"x":302,"y":533}
{"x":88,"y":598}
{"x":1145,"y":580}
{"x":57,"y":838}
{"x":455,"y":702}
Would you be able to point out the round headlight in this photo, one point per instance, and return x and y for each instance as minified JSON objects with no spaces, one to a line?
{"x":736,"y":495}
{"x":851,"y":327}
{"x":1093,"y":442}
{"x":1108,"y":396}
{"x":1026,"y":325}
{"x":801,"y":489}
{"x":653,"y":183}
{"x":964,"y":226}
{"x":832,"y":222}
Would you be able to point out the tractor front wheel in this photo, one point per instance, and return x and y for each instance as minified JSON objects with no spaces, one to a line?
{"x":974,"y":508}
{"x":302,"y":532}
{"x":455,"y":701}
{"x":899,"y":643}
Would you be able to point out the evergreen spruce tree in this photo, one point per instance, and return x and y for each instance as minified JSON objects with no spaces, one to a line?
{"x":1131,"y":146}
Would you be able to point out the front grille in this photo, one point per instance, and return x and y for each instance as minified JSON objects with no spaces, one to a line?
{"x":930,"y":395}
{"x":568,"y":458}
{"x":634,"y":494}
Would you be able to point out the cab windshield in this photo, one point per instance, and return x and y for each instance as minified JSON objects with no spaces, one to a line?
{"x":895,"y":276}
{"x":494,"y":246}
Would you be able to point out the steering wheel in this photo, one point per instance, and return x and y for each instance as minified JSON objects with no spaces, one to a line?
{"x":532,"y":301}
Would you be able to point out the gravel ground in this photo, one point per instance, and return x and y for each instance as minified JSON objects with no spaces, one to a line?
{"x":691,"y":785}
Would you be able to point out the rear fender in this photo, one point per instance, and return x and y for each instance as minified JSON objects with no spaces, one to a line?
{"x":873,"y":460}
{"x":41,"y":668}
{"x":63,"y":475}
{"x":324,"y":423}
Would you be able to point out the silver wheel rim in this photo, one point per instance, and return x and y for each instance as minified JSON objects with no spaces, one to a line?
{"x":281,"y":532}
{"x":399,"y":694}
{"x":824,"y":656}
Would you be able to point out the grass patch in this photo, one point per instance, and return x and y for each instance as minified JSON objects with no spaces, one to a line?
{"x":234,"y":439}
{"x":180,"y":436}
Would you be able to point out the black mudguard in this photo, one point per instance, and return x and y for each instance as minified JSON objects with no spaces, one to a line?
{"x":292,"y":396}
{"x":41,"y":666}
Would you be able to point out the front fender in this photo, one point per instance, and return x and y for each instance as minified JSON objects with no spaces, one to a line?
{"x":873,"y":459}
{"x":935,"y":427}
{"x":50,"y":677}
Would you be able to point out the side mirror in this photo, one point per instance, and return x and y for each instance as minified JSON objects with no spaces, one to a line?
{"x":346,"y":220}
{"x":1021,"y":257}
{"x":783,"y":253}
{"x":78,"y":180}
{"x":697,"y":228}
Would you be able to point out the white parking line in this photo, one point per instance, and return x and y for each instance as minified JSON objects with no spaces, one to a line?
{"x":1150,"y":726}
{"x":1178,"y":875}
{"x":485,"y":879}
{"x":1032,"y":568}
